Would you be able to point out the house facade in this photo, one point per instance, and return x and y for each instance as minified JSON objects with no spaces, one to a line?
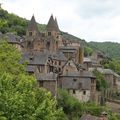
{"x":78,"y":82}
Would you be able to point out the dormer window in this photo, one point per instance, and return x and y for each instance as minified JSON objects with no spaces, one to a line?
{"x":49,"y":33}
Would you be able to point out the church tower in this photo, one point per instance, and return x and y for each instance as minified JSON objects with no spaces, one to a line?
{"x":53,"y":34}
{"x":31,"y":33}
{"x":52,"y":27}
{"x":32,"y":29}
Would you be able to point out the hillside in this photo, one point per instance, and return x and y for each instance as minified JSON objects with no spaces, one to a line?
{"x":13,"y":23}
{"x":111,"y":49}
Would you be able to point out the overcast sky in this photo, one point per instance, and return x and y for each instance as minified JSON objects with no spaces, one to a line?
{"x":92,"y":20}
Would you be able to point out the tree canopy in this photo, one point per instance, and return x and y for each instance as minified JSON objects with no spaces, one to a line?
{"x":20,"y":96}
{"x":101,"y":83}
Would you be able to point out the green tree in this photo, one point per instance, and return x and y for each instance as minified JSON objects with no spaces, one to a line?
{"x":101,"y":83}
{"x":113,"y":64}
{"x":20,"y":96}
{"x":71,"y":106}
{"x":74,"y":108}
{"x":88,"y":51}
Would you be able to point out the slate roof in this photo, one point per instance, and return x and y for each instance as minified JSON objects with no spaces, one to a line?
{"x":32,"y":24}
{"x":83,"y":73}
{"x":46,"y":77}
{"x":12,"y":38}
{"x":78,"y":66}
{"x":59,"y":56}
{"x":30,"y":68}
{"x":105,"y":71}
{"x":102,"y":70}
{"x":37,"y":58}
{"x":56,"y":23}
{"x":83,"y":78}
{"x":52,"y":24}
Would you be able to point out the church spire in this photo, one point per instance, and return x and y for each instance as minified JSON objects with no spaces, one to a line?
{"x":32,"y":26}
{"x":56,"y":23}
{"x":51,"y":26}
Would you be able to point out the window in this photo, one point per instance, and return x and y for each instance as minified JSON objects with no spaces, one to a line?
{"x":84,"y":92}
{"x":59,"y":69}
{"x":59,"y":62}
{"x":55,"y":62}
{"x":41,"y":83}
{"x":74,"y":80}
{"x":48,"y":45}
{"x":49,"y":33}
{"x":30,"y":45}
{"x":30,"y":33}
{"x":31,"y":58}
{"x":51,"y":68}
{"x":74,"y":91}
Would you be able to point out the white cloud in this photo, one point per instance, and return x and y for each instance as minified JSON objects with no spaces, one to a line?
{"x":97,"y":20}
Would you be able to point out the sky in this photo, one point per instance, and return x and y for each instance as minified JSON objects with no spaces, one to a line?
{"x":92,"y":20}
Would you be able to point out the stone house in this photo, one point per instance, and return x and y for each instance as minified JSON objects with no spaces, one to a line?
{"x":74,"y":52}
{"x":48,"y":81}
{"x":87,"y":62}
{"x":78,"y":82}
{"x":13,"y":39}
{"x":112,"y":79}
{"x":110,"y":76}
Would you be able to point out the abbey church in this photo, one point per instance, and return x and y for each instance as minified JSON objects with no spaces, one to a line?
{"x":57,"y":62}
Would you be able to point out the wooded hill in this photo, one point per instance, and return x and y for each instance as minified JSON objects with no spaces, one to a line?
{"x":111,"y":49}
{"x":13,"y":23}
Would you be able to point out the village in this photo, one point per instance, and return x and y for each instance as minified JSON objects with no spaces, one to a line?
{"x":59,"y":63}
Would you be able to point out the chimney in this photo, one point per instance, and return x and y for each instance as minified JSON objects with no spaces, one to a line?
{"x":80,"y":55}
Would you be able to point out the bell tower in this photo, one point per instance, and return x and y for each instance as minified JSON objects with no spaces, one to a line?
{"x":52,"y":33}
{"x":31,"y":33}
